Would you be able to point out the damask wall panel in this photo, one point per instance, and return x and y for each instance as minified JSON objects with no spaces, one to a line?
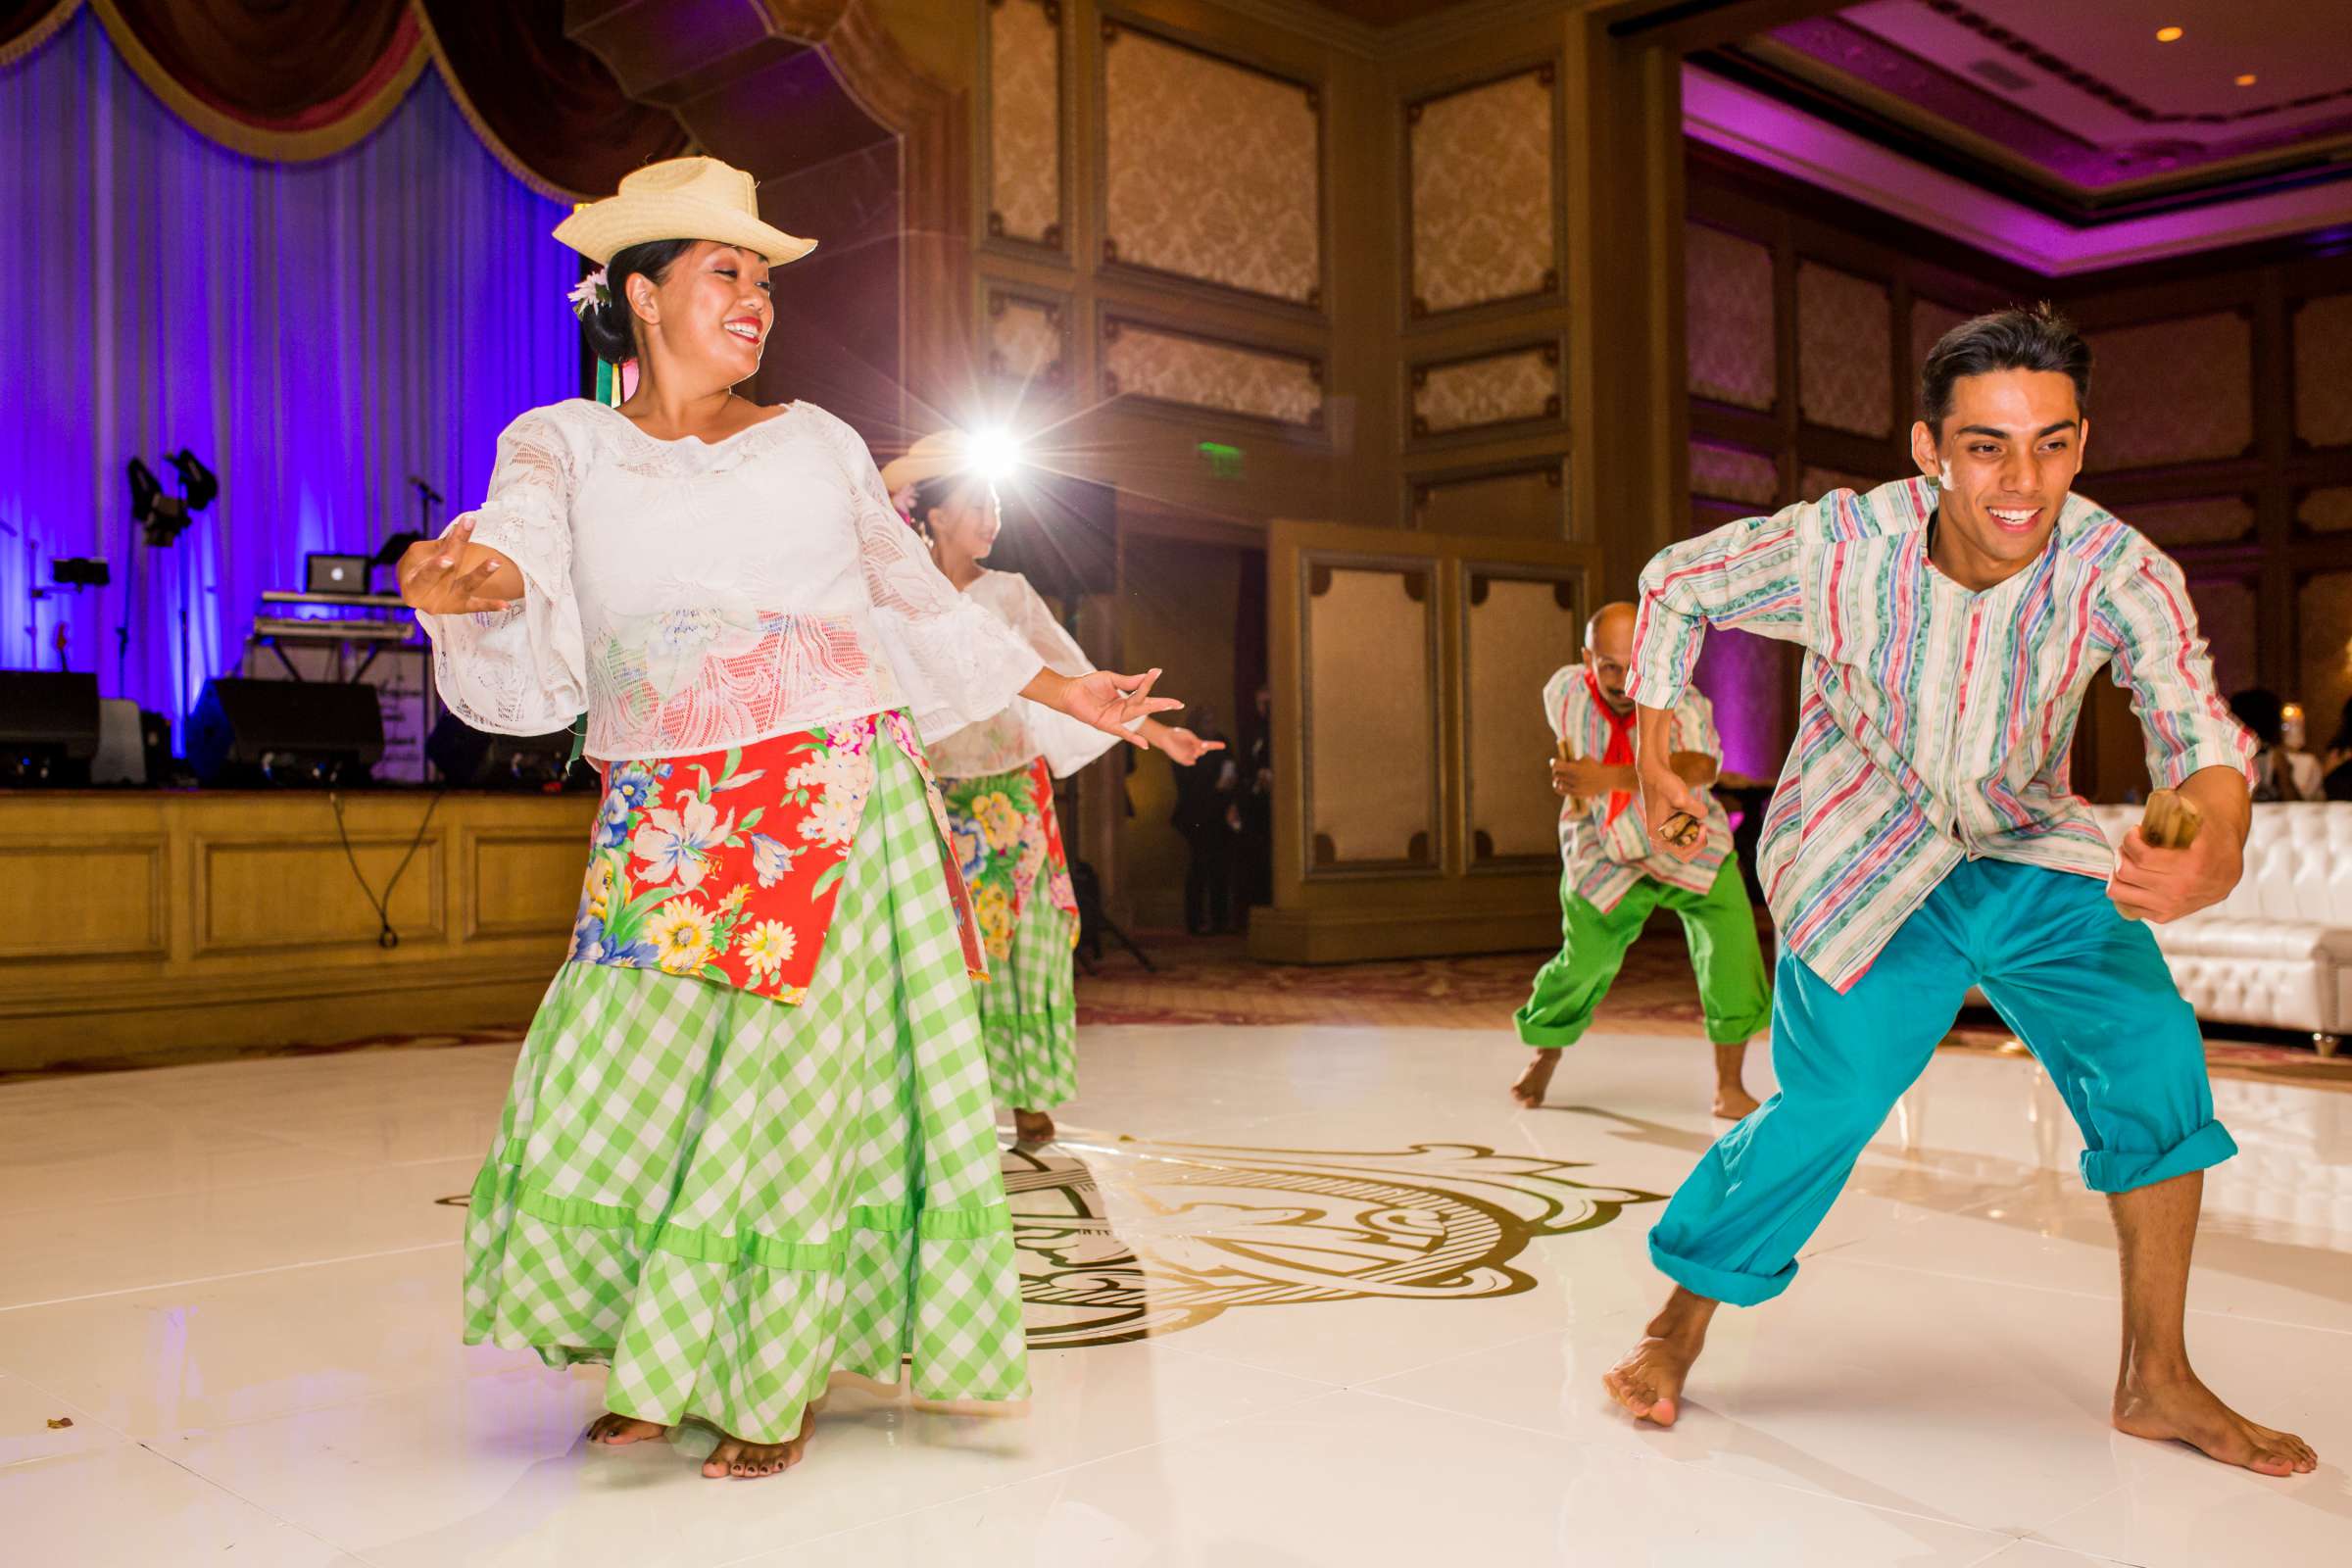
{"x":2192,"y":522}
{"x":1028,"y":339}
{"x":1024,"y":121}
{"x":2322,"y":333}
{"x":1517,"y":629}
{"x":1734,"y":473}
{"x":2324,"y":627}
{"x":2327,"y":511}
{"x":1371,"y":673}
{"x":1728,"y":295}
{"x":1213,"y":171}
{"x":2226,"y":616}
{"x":1523,"y":503}
{"x":1845,"y":350}
{"x":1200,"y":373}
{"x":1493,"y":389}
{"x":1484,"y":194}
{"x":2171,"y":392}
{"x":1929,"y":323}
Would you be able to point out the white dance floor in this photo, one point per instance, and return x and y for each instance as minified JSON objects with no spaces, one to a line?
{"x":1301,"y":1297}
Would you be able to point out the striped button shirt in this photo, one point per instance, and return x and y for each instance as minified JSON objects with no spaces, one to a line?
{"x":1934,"y":722}
{"x":1605,"y":859}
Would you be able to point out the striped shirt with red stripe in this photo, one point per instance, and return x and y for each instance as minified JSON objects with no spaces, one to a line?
{"x":1933,"y":723}
{"x":1605,"y":859}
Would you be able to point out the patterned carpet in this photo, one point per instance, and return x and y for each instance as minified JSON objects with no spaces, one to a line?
{"x":1211,"y":980}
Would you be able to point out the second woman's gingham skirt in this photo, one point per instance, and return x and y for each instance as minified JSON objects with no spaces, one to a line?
{"x":729,"y":1200}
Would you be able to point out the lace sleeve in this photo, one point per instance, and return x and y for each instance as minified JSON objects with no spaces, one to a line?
{"x":958,"y":664}
{"x":520,"y":670}
{"x":1065,"y":744}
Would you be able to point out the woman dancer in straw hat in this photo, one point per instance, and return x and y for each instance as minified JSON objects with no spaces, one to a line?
{"x":749,"y":1142}
{"x":998,"y":776}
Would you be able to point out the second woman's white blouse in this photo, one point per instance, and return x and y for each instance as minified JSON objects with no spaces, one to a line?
{"x":692,"y":596}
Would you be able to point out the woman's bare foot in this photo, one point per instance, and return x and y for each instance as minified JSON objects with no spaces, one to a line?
{"x":1733,"y":1100}
{"x":1529,"y":1089}
{"x":749,"y":1461}
{"x":2183,"y":1409}
{"x":1648,"y":1382}
{"x":620,"y":1430}
{"x":1032,"y":1127}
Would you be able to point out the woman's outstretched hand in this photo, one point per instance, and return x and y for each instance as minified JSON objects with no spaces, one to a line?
{"x":438,"y":577}
{"x":1106,"y":699}
{"x":1183,"y":747}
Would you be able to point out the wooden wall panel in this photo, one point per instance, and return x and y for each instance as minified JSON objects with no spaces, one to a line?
{"x":1519,"y":625}
{"x":1725,"y":473}
{"x":523,"y":884}
{"x":92,"y":895}
{"x":1166,"y":365}
{"x":1484,"y":193}
{"x":1025,"y":163}
{"x":2322,"y":350}
{"x":2166,"y":392}
{"x":1728,"y":295}
{"x":1213,"y":171}
{"x":1844,"y":347}
{"x":1516,"y":386}
{"x":1521,"y":503}
{"x":2204,"y":521}
{"x":297,"y":890}
{"x":1371,"y":667}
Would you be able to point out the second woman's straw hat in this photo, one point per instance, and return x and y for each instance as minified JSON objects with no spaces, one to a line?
{"x":683,"y":198}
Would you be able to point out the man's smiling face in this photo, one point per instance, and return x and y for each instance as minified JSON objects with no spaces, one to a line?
{"x":2006,"y":458}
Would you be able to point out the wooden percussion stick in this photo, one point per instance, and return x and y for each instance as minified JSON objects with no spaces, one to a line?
{"x":2171,"y":820}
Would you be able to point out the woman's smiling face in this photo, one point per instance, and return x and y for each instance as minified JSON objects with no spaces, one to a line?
{"x":710,"y":317}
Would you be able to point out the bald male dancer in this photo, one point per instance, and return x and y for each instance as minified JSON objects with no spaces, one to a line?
{"x":1612,"y":877}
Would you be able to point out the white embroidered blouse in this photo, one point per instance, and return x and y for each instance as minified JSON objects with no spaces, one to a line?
{"x":691,"y":596}
{"x":1024,"y":729}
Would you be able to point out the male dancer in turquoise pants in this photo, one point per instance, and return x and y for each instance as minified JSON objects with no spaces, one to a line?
{"x":1922,"y":840}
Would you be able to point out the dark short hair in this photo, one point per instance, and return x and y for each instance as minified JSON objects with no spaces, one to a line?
{"x":2260,"y":712}
{"x":940,"y":490}
{"x":610,"y":327}
{"x":2018,"y":338}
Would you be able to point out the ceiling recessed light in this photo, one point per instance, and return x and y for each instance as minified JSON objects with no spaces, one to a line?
{"x":2168,"y":34}
{"x":2247,"y":80}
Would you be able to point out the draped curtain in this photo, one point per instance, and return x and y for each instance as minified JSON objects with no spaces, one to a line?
{"x":316,"y":332}
{"x":299,"y":79}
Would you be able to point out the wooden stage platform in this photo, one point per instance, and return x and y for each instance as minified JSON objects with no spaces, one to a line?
{"x":147,"y":922}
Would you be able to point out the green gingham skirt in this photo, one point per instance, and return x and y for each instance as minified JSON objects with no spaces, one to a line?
{"x":729,"y":1199}
{"x":1029,"y":1011}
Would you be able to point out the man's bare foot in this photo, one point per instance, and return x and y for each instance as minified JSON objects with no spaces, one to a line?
{"x":749,"y":1461}
{"x":1733,"y":1101}
{"x":1529,"y":1089}
{"x":1648,"y":1382}
{"x":1032,"y":1127}
{"x":2184,"y":1409}
{"x":620,"y":1430}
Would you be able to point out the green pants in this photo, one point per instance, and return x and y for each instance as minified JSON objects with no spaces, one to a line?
{"x":1720,"y":925}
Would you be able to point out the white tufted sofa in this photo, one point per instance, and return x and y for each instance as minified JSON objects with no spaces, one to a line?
{"x":2277,"y":952}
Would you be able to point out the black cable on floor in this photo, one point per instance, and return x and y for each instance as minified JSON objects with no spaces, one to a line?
{"x":386,"y":938}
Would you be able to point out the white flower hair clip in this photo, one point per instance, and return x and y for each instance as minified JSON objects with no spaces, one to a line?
{"x":590,"y":292}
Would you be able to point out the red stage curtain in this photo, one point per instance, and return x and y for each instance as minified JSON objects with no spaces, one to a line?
{"x":547,"y":107}
{"x":294,"y":79}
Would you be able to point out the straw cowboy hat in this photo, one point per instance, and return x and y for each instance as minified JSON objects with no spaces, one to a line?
{"x":940,"y":453}
{"x":682,"y":198}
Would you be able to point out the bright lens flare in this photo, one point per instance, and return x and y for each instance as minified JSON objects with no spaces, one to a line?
{"x":995,"y":454}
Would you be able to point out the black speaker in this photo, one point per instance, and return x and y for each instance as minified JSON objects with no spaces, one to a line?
{"x":475,"y":760}
{"x":284,"y":732}
{"x":48,"y":726}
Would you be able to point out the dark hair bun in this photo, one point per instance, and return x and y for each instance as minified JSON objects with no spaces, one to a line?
{"x":607,"y":328}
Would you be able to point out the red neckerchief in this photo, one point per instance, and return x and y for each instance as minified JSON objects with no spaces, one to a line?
{"x":1620,"y":750}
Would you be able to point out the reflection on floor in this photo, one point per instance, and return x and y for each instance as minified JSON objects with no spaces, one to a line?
{"x":1374,"y":1301}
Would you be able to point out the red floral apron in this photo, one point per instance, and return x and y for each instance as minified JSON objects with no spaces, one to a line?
{"x":725,"y":866}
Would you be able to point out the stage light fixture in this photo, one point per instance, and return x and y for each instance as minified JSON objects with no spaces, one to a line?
{"x":199,"y":486}
{"x":161,"y":518}
{"x":996,"y":454}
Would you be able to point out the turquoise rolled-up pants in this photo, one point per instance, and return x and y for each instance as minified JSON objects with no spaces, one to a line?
{"x":2084,"y":988}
